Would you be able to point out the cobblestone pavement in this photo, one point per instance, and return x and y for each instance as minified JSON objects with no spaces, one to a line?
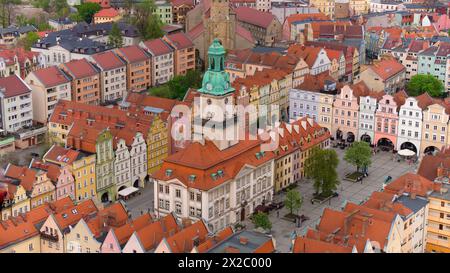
{"x":382,"y":166}
{"x":142,"y":203}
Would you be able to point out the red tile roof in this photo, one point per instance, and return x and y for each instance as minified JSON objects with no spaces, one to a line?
{"x":51,"y":76}
{"x":254,"y":17}
{"x":179,"y":40}
{"x":183,"y":241}
{"x":387,"y":68}
{"x":132,"y":54}
{"x":108,"y":12}
{"x":158,"y":47}
{"x":61,"y":155}
{"x":12,"y":86}
{"x":79,"y":69}
{"x":412,"y":184}
{"x":108,"y":60}
{"x":151,"y":235}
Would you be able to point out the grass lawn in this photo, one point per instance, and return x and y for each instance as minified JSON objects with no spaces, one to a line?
{"x":354,"y":176}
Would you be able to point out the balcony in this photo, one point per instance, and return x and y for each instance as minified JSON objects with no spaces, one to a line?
{"x":49,"y":237}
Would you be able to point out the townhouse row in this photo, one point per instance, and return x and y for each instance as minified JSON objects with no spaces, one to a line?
{"x":108,"y":76}
{"x":65,"y":227}
{"x":356,"y":113}
{"x":109,"y":152}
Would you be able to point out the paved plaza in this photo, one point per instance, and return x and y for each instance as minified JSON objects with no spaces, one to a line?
{"x":382,"y":166}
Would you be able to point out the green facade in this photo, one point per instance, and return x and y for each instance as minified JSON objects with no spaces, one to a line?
{"x":104,"y":167}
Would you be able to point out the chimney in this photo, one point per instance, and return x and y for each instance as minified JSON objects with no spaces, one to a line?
{"x":440,"y":170}
{"x":413,"y":195}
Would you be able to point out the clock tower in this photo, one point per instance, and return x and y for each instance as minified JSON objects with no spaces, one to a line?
{"x":216,"y":113}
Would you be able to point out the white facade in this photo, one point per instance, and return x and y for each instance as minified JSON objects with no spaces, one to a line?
{"x":367,"y":109}
{"x":162,"y":68}
{"x":222,"y":205}
{"x":122,"y":165}
{"x":16,"y":111}
{"x":113,"y":84}
{"x":138,"y":158}
{"x":56,"y":55}
{"x":46,"y":98}
{"x":321,"y":64}
{"x":382,"y":6}
{"x":410,"y":124}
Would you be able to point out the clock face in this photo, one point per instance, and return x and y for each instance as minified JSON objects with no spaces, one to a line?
{"x":209,"y":86}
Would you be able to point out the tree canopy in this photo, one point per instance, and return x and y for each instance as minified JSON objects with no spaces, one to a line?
{"x":321,"y":167}
{"x":359,"y":154}
{"x":177,"y":87}
{"x":293,"y":200}
{"x":30,"y":39}
{"x":87,"y":10}
{"x":422,"y":83}
{"x":262,"y":220}
{"x":144,"y":19}
{"x":115,"y":36}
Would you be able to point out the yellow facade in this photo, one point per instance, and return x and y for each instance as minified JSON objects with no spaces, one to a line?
{"x":58,"y":133}
{"x":157,"y":144}
{"x":20,"y":204}
{"x":81,"y":240}
{"x":43,"y":190}
{"x":325,"y":111}
{"x":324,"y":6}
{"x":434,"y":128}
{"x":83,"y":170}
{"x":438,"y":230}
{"x":283,"y":172}
{"x":30,"y":245}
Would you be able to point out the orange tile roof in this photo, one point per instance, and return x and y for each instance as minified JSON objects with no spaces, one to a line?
{"x":114,"y":215}
{"x":308,"y":53}
{"x":412,"y":184}
{"x":183,"y":241}
{"x":216,"y":239}
{"x":23,"y":227}
{"x":123,"y":233}
{"x":308,"y":245}
{"x":61,"y":155}
{"x":387,"y":68}
{"x":71,"y":215}
{"x":79,"y":69}
{"x":151,"y":235}
{"x":108,"y":12}
{"x":25,"y":175}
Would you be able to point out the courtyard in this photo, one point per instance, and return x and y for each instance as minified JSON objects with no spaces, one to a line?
{"x":382,"y":165}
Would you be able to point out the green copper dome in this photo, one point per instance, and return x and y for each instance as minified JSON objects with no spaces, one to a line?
{"x":216,"y":81}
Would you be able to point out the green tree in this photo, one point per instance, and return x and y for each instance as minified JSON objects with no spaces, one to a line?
{"x":321,"y":167}
{"x":359,"y":155}
{"x":293,"y":200}
{"x":262,"y":220}
{"x":115,"y":36}
{"x":30,"y":39}
{"x":422,"y":83}
{"x":153,"y":28}
{"x":146,"y":21}
{"x":87,"y":11}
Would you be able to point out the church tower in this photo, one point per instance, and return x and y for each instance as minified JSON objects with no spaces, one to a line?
{"x":221,"y":24}
{"x":216,"y":110}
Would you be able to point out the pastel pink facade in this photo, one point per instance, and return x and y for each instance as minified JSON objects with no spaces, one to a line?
{"x":110,"y":244}
{"x":442,"y":23}
{"x":345,"y":115}
{"x":65,"y":185}
{"x":386,"y":120}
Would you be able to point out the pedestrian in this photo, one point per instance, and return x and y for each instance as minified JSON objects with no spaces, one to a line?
{"x":278,"y":214}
